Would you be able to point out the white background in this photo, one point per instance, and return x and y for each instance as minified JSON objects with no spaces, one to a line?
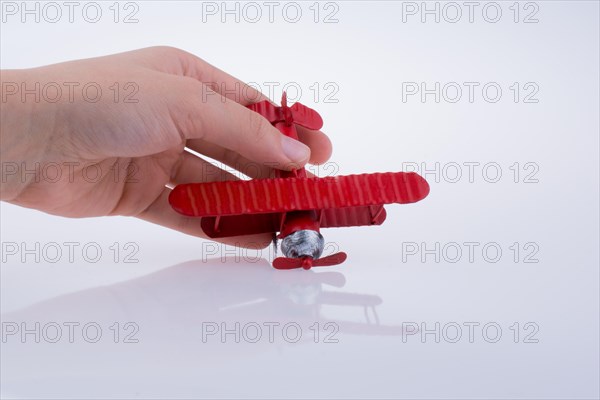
{"x":181,"y":285}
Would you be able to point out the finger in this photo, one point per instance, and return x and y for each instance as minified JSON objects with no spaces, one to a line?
{"x":320,"y":151}
{"x":178,"y":62}
{"x":144,"y":178}
{"x":319,"y":144}
{"x":231,"y":159}
{"x":236,"y":90}
{"x":232,"y":88}
{"x":161,"y":213}
{"x":241,"y":164}
{"x":192,"y":168}
{"x":221,"y":121}
{"x":182,"y":63}
{"x":219,"y":81}
{"x":189,"y":169}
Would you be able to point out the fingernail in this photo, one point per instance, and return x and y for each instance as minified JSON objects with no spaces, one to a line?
{"x":294,"y":150}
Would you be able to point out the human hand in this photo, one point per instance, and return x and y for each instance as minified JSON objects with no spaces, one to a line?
{"x":78,"y":157}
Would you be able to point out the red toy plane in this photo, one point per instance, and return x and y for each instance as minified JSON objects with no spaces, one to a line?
{"x":292,"y":203}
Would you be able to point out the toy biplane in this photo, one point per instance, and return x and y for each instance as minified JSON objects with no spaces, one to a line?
{"x":292,"y":203}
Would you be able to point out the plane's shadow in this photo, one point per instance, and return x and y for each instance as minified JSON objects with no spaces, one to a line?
{"x":165,"y":322}
{"x":179,"y":313}
{"x":216,"y":290}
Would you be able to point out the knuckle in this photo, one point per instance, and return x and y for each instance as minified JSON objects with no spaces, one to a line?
{"x":232,"y":158}
{"x":258,"y":126}
{"x":168,"y":51}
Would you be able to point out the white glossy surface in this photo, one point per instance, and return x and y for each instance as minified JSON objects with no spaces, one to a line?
{"x":178,"y":287}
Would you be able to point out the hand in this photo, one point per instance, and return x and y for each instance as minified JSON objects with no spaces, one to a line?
{"x":70,"y":149}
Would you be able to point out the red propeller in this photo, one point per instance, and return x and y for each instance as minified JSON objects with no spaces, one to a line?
{"x":308,"y":262}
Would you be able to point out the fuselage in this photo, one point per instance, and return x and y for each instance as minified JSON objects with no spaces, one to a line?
{"x":300,"y":230}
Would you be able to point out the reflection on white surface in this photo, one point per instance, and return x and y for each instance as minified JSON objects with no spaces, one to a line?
{"x":190,"y":316}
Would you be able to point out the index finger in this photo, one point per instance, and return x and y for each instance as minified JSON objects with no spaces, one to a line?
{"x":179,"y":62}
{"x":216,"y":119}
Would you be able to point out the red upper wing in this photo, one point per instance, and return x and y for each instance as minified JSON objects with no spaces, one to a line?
{"x":260,"y":196}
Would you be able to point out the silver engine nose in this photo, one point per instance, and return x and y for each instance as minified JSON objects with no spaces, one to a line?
{"x":303,"y":243}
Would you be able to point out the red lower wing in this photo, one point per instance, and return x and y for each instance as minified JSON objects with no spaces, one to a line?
{"x":251,"y":224}
{"x":353,"y":216}
{"x":237,"y":225}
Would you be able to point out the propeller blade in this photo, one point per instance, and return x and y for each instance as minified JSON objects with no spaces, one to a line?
{"x":287,"y":263}
{"x":306,"y":117}
{"x":308,"y":262}
{"x":270,"y":111}
{"x":328,"y":261}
